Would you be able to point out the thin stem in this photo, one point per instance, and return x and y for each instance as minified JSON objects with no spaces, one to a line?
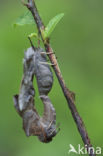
{"x":67,"y":93}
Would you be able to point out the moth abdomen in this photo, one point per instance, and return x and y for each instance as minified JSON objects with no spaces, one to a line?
{"x":43,"y":73}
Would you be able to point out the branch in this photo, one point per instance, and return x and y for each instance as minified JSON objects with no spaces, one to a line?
{"x":67,"y":93}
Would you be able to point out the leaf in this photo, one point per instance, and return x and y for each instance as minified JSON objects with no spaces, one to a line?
{"x":26,"y":18}
{"x":33,"y":35}
{"x":52,"y":24}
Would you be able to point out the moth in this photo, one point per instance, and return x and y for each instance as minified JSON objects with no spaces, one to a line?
{"x":43,"y":127}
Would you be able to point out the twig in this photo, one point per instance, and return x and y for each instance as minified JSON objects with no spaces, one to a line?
{"x":67,"y":93}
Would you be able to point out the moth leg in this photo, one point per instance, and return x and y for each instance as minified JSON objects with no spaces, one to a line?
{"x":57,"y":126}
{"x":55,"y":130}
{"x":48,"y":63}
{"x":52,"y":131}
{"x":47,"y":53}
{"x":50,"y":124}
{"x":53,"y":64}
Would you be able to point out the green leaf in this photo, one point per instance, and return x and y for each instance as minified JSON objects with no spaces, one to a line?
{"x":33,"y":35}
{"x":26,"y":18}
{"x":52,"y":24}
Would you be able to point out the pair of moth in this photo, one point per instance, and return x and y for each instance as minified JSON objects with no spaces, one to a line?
{"x":35,"y":64}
